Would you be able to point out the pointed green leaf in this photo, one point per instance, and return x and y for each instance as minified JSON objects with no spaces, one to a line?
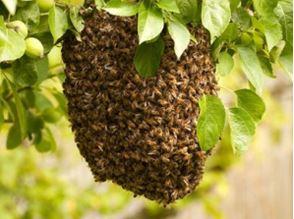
{"x":150,"y":22}
{"x":251,"y":66}
{"x":273,"y":31}
{"x":148,"y":57}
{"x":20,"y":119}
{"x":14,"y":138}
{"x":47,"y":142}
{"x":58,"y":22}
{"x":180,"y":35}
{"x":251,"y":102}
{"x":76,"y":19}
{"x":211,"y":121}
{"x":266,"y":67}
{"x":215,"y":16}
{"x":242,"y":129}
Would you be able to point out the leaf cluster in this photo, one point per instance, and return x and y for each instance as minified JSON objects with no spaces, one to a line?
{"x":260,"y":32}
{"x":30,"y":60}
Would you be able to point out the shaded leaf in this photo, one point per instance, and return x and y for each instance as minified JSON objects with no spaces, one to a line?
{"x":29,"y":14}
{"x":251,"y":102}
{"x":14,"y":138}
{"x":47,"y":142}
{"x":189,"y":10}
{"x":148,"y":57}
{"x":266,"y":67}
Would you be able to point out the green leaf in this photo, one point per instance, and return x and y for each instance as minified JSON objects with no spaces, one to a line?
{"x":47,"y":142}
{"x":242,"y":18}
{"x":273,"y":31}
{"x":10,"y":5}
{"x":28,"y":71}
{"x":168,"y":5}
{"x":150,"y":22}
{"x":121,"y":8}
{"x":225,"y":64}
{"x":266,"y":67}
{"x":46,"y":40}
{"x":189,"y":10}
{"x":29,"y":14}
{"x":286,"y":60}
{"x":76,"y":19}
{"x":42,"y":66}
{"x":251,"y":102}
{"x":19,"y":115}
{"x":234,"y":4}
{"x":242,"y":129}
{"x":148,"y":57}
{"x":20,"y":119}
{"x":258,"y":40}
{"x":42,"y":102}
{"x":276,"y":52}
{"x":25,"y":72}
{"x":58,"y":22}
{"x":12,"y":44}
{"x":211,"y":121}
{"x":99,"y":4}
{"x":231,"y":33}
{"x":284,"y":11}
{"x":62,"y":101}
{"x":14,"y":138}
{"x":180,"y":35}
{"x":215,"y":16}
{"x":35,"y":123}
{"x":265,"y":8}
{"x":51,"y":115}
{"x":251,"y":67}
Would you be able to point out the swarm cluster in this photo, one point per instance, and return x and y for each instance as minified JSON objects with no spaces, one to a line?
{"x":137,"y":132}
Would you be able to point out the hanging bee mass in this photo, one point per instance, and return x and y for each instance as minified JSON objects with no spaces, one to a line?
{"x":137,"y":132}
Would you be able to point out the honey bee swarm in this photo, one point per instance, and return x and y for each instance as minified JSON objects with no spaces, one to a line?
{"x":137,"y":132}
